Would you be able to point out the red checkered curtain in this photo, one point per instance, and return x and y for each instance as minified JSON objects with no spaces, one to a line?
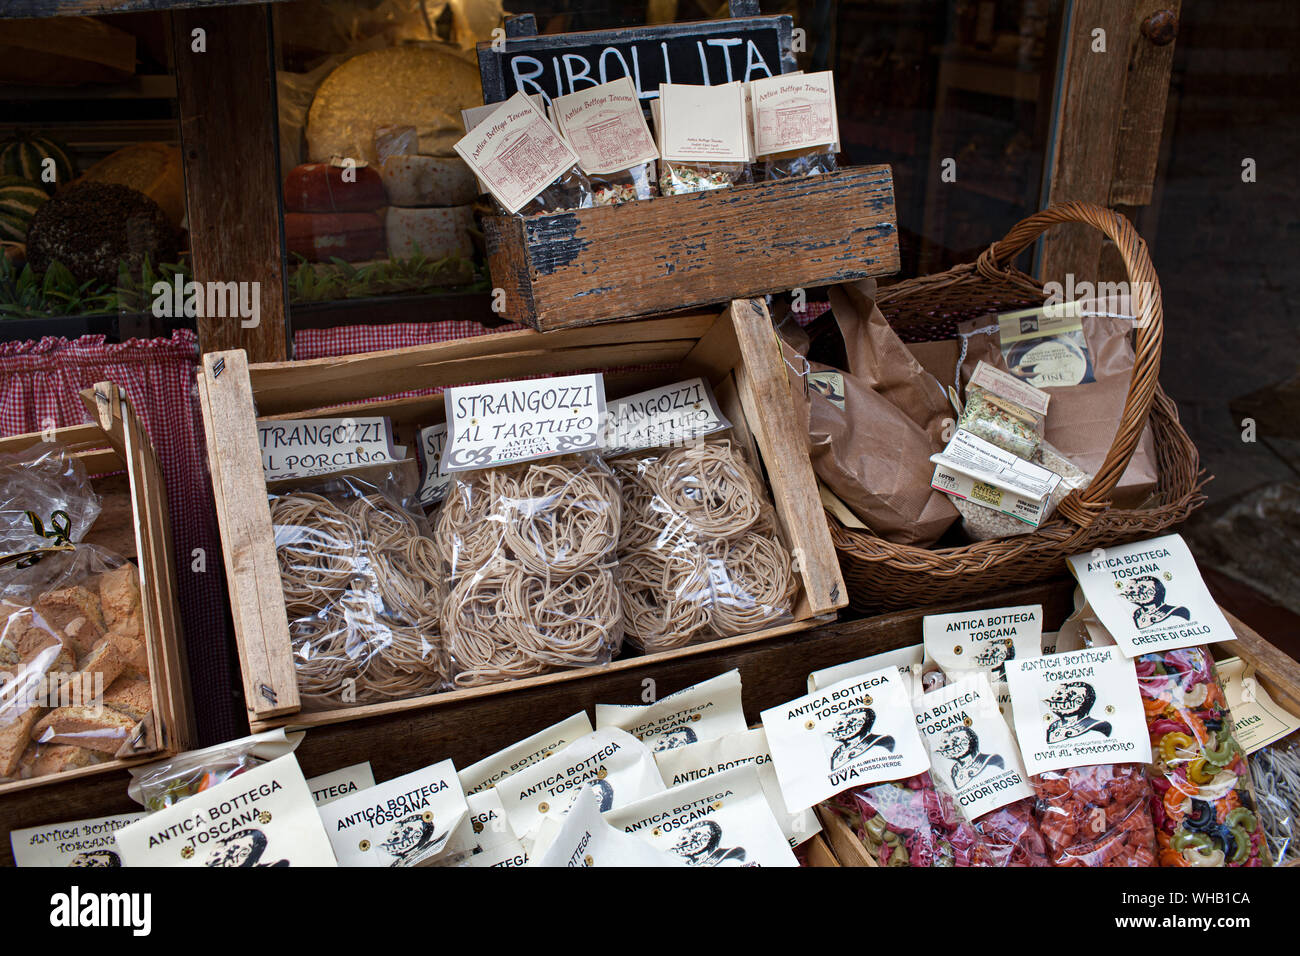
{"x":354,"y":339}
{"x":40,"y":384}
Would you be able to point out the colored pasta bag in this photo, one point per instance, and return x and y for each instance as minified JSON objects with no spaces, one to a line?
{"x":1276,"y":771}
{"x":1095,"y":816}
{"x":908,"y":823}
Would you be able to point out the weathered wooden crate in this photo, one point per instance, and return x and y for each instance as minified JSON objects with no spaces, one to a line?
{"x":133,"y":522}
{"x":678,"y":252}
{"x":735,"y":350}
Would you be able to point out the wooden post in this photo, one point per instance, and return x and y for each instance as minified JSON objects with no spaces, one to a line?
{"x":226,"y":97}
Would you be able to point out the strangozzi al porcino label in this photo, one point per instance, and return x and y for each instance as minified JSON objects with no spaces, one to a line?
{"x":703,"y":711}
{"x":856,"y":732}
{"x":302,"y":447}
{"x":263,"y":817}
{"x":503,"y":422}
{"x":972,"y":753}
{"x":403,"y":822}
{"x":709,"y":758}
{"x":80,"y":843}
{"x":584,"y":839}
{"x":1078,"y":710}
{"x":670,"y":415}
{"x":1150,"y":596}
{"x":722,"y":820}
{"x":611,"y":761}
{"x":490,"y":771}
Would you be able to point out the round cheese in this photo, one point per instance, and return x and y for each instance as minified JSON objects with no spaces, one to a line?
{"x":432,"y":233}
{"x":424,"y":87}
{"x":428,"y":181}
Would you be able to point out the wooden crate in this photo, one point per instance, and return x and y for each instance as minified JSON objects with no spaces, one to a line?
{"x":678,"y":252}
{"x":134,"y":523}
{"x":736,"y":351}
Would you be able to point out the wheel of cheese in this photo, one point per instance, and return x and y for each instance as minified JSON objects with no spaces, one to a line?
{"x":432,"y":233}
{"x":424,"y":87}
{"x":428,"y":181}
{"x":321,"y":187}
{"x":151,"y":168}
{"x":321,"y":236}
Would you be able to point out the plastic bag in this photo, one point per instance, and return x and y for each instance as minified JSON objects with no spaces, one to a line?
{"x":994,"y":414}
{"x":528,"y":553}
{"x":572,"y":190}
{"x":1009,"y":836}
{"x":1095,"y":816}
{"x":908,"y":823}
{"x":801,"y":164}
{"x":611,"y":189}
{"x":1204,"y":811}
{"x":981,"y":523}
{"x":699,"y":551}
{"x":360,"y":577}
{"x":159,"y":785}
{"x":678,"y":178}
{"x":1276,"y":770}
{"x":74,"y":666}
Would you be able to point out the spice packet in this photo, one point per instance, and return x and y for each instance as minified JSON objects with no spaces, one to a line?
{"x":985,"y":475}
{"x":584,"y":839}
{"x":606,"y":128}
{"x":703,"y":711}
{"x":703,"y":136}
{"x":80,"y":843}
{"x":403,"y":822}
{"x":709,"y":758}
{"x":720,"y":820}
{"x":1078,"y":709}
{"x":265,"y":816}
{"x":329,"y":787}
{"x":609,"y":760}
{"x":490,"y":771}
{"x":856,"y":732}
{"x":1149,"y":595}
{"x":1257,"y":719}
{"x":1045,"y":346}
{"x":1003,"y":410}
{"x":982,"y":642}
{"x":907,"y":659}
{"x":166,"y":782}
{"x":795,"y":124}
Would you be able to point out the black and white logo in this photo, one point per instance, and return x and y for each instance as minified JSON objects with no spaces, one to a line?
{"x":677,"y":737}
{"x":242,"y":849}
{"x":853,"y":731}
{"x":995,"y":655}
{"x":1148,"y":593}
{"x":701,"y":845}
{"x":411,"y":837}
{"x":96,"y":858}
{"x":961,"y":745}
{"x":1072,"y":703}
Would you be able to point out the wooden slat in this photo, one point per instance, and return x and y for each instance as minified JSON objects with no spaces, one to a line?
{"x":247,"y":537}
{"x":226,"y":101}
{"x":849,"y":850}
{"x":73,"y":437}
{"x":818,"y":852}
{"x":1146,"y":94}
{"x":674,"y":252}
{"x":1277,"y":671}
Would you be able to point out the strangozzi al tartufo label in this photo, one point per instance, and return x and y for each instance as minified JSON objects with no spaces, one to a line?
{"x":302,"y":447}
{"x":489,"y":425}
{"x":611,"y":761}
{"x":403,"y":822}
{"x":81,"y":843}
{"x":584,"y":839}
{"x":856,"y":732}
{"x":702,"y":711}
{"x":329,"y":787}
{"x":606,"y":127}
{"x":1150,"y":596}
{"x":490,"y":771}
{"x":263,"y":817}
{"x":670,"y":415}
{"x":720,"y":820}
{"x":709,"y":758}
{"x":972,"y":753}
{"x":433,"y":480}
{"x":1078,"y":709}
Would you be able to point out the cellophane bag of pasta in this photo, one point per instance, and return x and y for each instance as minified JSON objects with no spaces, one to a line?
{"x":613,"y":189}
{"x":1095,"y":816}
{"x":811,"y":163}
{"x":1004,"y":411}
{"x":529,"y":556}
{"x":75,"y":683}
{"x":360,"y":575}
{"x":1276,"y":771}
{"x":677,"y":178}
{"x":907,"y":823}
{"x":1204,"y":806}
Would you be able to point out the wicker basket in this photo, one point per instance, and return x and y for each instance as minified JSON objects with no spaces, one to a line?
{"x":883,"y":576}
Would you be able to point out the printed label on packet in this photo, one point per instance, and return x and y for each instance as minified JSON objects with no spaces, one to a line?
{"x":906,"y":659}
{"x":703,"y":124}
{"x":484,"y":828}
{"x":329,"y":787}
{"x":972,"y":753}
{"x":490,"y":771}
{"x":1257,"y":719}
{"x":983,"y":641}
{"x":611,"y":761}
{"x":1045,"y":346}
{"x":793,"y":112}
{"x":978,"y":471}
{"x":262,"y":817}
{"x":1078,"y":710}
{"x":1150,"y":596}
{"x":503,"y":422}
{"x":82,"y":843}
{"x":721,"y":820}
{"x":516,"y":152}
{"x":606,"y":127}
{"x":711,"y":757}
{"x":403,"y":822}
{"x":584,"y":839}
{"x":303,"y":447}
{"x":433,"y":480}
{"x":1004,"y":384}
{"x":662,"y":417}
{"x":507,"y":854}
{"x":702,"y":711}
{"x":856,"y":732}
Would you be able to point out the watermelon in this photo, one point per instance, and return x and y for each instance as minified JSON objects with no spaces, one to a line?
{"x":24,"y":155}
{"x":19,"y":200}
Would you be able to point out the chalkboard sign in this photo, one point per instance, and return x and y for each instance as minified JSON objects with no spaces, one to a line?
{"x":708,"y":52}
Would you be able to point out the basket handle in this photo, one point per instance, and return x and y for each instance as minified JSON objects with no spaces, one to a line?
{"x":1144,"y":290}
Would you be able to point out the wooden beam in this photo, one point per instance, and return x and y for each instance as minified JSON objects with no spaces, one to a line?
{"x":1146,"y":95}
{"x":228,"y":122}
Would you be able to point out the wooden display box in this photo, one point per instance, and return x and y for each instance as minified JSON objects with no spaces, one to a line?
{"x":678,"y":252}
{"x":133,"y":522}
{"x":737,"y":351}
